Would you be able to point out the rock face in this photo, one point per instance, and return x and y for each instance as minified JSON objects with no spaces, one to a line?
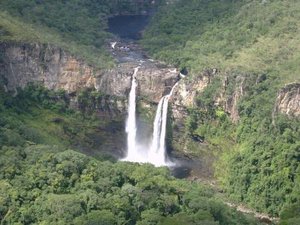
{"x":154,"y":82}
{"x":183,"y":98}
{"x":288,"y":100}
{"x":229,"y":101}
{"x":104,"y":92}
{"x":43,"y":64}
{"x":185,"y":94}
{"x":56,"y":69}
{"x":187,"y":91}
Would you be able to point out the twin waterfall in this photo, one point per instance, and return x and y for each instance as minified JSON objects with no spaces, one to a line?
{"x":156,"y":153}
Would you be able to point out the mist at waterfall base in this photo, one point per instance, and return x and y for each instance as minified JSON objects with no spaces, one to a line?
{"x":140,"y":152}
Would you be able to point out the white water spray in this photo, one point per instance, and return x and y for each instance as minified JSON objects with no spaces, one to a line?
{"x":157,"y":154}
{"x":131,"y":121}
{"x":113,"y":44}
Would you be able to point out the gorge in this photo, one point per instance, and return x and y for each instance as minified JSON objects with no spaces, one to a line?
{"x":207,"y":91}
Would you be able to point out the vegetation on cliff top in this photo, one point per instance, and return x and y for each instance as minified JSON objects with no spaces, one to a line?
{"x":257,"y":42}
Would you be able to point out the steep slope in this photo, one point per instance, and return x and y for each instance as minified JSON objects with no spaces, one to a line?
{"x":241,"y":96}
{"x":251,"y":36}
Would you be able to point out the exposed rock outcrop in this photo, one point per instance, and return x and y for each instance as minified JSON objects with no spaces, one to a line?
{"x":183,"y":98}
{"x":288,"y":101}
{"x":186,"y":92}
{"x":155,"y":82}
{"x":230,"y":90}
{"x":56,"y":69}
{"x":44,"y":64}
{"x":228,"y":99}
{"x":104,"y":92}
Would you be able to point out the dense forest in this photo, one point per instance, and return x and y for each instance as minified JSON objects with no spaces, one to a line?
{"x":47,"y":185}
{"x":46,"y":179}
{"x":42,"y":181}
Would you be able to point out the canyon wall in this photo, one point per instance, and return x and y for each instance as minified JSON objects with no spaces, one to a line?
{"x":56,"y":69}
{"x":52,"y":67}
{"x":229,"y":91}
{"x":104,"y":92}
{"x":288,"y":100}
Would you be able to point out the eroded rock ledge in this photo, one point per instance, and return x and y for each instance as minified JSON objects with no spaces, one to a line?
{"x":43,"y":64}
{"x":230,"y":91}
{"x":56,"y":69}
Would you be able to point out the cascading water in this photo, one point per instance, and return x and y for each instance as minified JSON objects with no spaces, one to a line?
{"x":153,"y":154}
{"x":157,"y":154}
{"x":131,"y":121}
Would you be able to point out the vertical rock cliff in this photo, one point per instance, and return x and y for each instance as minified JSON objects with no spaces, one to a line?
{"x":288,"y":100}
{"x":56,"y":69}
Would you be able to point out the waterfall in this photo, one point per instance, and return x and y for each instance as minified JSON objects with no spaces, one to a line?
{"x":157,"y":154}
{"x":154,"y":155}
{"x":131,"y":121}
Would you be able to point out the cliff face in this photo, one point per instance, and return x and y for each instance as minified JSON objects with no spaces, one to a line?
{"x":56,"y":69}
{"x":187,"y":91}
{"x":153,"y":82}
{"x":104,"y":92}
{"x":43,"y":64}
{"x":231,"y":89}
{"x":288,"y":100}
{"x":230,"y":93}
